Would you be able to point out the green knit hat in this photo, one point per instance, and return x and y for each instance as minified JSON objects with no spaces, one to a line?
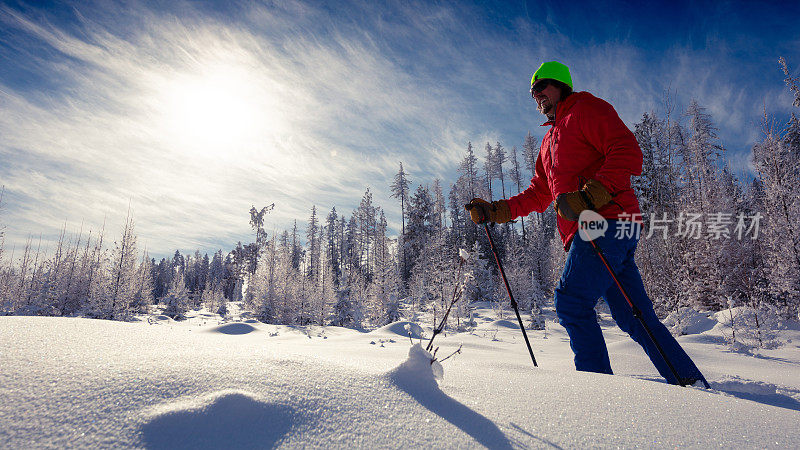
{"x":553,"y":70}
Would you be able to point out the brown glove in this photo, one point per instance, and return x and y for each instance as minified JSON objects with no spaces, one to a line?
{"x":481,"y":211}
{"x":593,"y":196}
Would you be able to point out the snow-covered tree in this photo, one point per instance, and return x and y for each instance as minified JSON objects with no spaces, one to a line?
{"x":776,"y":162}
{"x":469,"y":172}
{"x":313,"y":242}
{"x":516,"y":178}
{"x":489,"y":170}
{"x":333,"y":243}
{"x":499,"y":158}
{"x":177,"y":299}
{"x":143,"y":286}
{"x":400,"y":191}
{"x":479,"y":285}
{"x":420,"y":224}
{"x":213,"y":300}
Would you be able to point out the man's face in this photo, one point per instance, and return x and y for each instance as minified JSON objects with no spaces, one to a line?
{"x":546,"y":99}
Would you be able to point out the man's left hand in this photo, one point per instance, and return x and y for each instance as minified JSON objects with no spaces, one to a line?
{"x":593,"y":196}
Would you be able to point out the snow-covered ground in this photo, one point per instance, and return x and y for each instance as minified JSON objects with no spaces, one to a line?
{"x":204,"y":382}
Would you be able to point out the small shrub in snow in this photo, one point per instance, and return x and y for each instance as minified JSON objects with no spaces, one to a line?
{"x":744,"y":326}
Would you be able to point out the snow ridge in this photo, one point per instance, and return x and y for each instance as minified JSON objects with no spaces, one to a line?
{"x":224,"y":419}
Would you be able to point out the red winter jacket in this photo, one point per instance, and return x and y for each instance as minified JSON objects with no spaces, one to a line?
{"x":587,"y":140}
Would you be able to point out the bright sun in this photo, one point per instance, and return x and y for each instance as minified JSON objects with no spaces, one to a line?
{"x":219,"y":112}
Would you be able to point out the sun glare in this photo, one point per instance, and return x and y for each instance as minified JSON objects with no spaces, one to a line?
{"x":220,"y":112}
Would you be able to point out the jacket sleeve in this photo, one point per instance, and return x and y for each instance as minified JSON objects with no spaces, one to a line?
{"x":605,"y":131}
{"x":536,"y":197}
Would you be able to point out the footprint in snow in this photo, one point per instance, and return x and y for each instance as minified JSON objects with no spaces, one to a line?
{"x":758,"y":391}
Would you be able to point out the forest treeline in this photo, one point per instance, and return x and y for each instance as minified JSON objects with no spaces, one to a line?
{"x":712,"y":239}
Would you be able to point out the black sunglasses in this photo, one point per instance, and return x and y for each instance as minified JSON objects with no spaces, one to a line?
{"x":539,"y":86}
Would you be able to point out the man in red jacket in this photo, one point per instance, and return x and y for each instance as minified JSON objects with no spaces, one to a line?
{"x":585,"y":162}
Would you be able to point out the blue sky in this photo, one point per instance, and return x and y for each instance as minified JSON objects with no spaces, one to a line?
{"x":192,"y":112}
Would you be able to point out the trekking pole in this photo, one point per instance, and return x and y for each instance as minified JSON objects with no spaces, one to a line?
{"x":510,"y":296}
{"x":638,"y":314}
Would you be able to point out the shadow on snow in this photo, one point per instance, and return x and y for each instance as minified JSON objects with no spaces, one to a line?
{"x":230,"y":420}
{"x":426,"y":391}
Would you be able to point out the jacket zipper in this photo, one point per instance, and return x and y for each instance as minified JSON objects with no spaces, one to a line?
{"x":552,"y":138}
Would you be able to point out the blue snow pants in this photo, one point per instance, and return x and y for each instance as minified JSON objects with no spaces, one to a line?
{"x":585,"y":279}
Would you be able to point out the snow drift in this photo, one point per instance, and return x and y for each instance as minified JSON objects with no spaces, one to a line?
{"x":225,"y":419}
{"x":93,"y":383}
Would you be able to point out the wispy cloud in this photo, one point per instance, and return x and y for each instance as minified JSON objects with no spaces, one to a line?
{"x":336,"y":116}
{"x":191,"y":116}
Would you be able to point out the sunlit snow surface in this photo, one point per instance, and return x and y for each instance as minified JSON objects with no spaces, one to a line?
{"x":208,"y":383}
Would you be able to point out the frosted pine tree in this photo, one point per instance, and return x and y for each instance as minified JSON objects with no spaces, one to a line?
{"x":143,"y":285}
{"x":214,"y":301}
{"x":305,"y":289}
{"x":176,"y":301}
{"x":479,"y":284}
{"x":216,"y":268}
{"x":97,"y":283}
{"x":400,"y":191}
{"x":327,"y":287}
{"x":349,"y":250}
{"x":515,"y":177}
{"x":420,"y":224}
{"x":348,"y":311}
{"x":530,"y":152}
{"x":776,"y":164}
{"x":263,"y":293}
{"x":527,"y":290}
{"x":467,"y":187}
{"x":203,"y":269}
{"x":432,"y":278}
{"x":793,"y":83}
{"x":439,"y":205}
{"x":469,"y":171}
{"x":332,"y":244}
{"x":311,"y":285}
{"x":702,"y":198}
{"x":489,"y":170}
{"x":30,"y":297}
{"x":459,"y":217}
{"x":657,"y":189}
{"x":499,"y":158}
{"x":366,"y":219}
{"x":382,"y":296}
{"x":313,"y":242}
{"x":62,"y":296}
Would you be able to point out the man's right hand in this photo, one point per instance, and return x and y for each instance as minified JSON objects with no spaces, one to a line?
{"x":481,"y":211}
